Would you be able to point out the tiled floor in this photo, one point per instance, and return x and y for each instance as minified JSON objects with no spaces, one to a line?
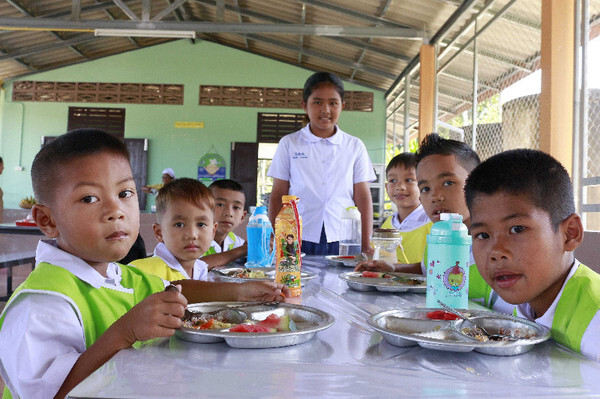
{"x":20,"y":273}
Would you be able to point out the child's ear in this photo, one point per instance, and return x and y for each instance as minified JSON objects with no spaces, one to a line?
{"x":43,"y":218}
{"x":157,"y":232}
{"x":573,"y":231}
{"x":214,"y":230}
{"x":244,"y":214}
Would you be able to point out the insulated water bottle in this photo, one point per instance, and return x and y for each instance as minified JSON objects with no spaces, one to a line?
{"x":350,"y":232}
{"x":259,"y":232}
{"x":448,"y":255}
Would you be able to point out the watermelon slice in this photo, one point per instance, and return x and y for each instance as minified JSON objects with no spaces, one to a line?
{"x":283,"y":323}
{"x":252,"y":328}
{"x":369,"y":274}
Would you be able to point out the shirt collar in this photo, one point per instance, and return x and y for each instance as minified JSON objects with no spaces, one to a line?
{"x":49,"y":252}
{"x":311,"y":138}
{"x":200,"y":267}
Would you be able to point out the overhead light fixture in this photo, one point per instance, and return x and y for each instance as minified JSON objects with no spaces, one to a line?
{"x":169,"y":34}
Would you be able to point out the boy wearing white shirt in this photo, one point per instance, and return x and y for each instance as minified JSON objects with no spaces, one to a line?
{"x":184,"y":229}
{"x":328,"y":169}
{"x":410,"y":219}
{"x":524,"y":230}
{"x":78,"y":307}
{"x":230,"y":202}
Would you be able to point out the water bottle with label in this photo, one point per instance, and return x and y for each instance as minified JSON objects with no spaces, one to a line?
{"x":259,"y":232}
{"x":350,"y":232}
{"x":448,"y":255}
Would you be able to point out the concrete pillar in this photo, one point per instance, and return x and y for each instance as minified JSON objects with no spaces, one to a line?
{"x":427,"y":90}
{"x":557,"y":63}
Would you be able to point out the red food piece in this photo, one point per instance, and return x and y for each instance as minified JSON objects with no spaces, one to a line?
{"x":371,"y":274}
{"x":251,"y":328}
{"x":441,"y":315}
{"x":272,"y":321}
{"x":207,"y":325}
{"x":346,"y":257}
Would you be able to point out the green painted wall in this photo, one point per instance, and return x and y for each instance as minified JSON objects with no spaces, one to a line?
{"x":23,"y":124}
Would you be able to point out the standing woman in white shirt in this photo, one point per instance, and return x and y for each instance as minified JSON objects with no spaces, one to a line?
{"x":328,"y":169}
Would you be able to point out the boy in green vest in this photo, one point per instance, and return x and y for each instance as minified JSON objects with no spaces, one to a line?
{"x":442,"y":169}
{"x":410,"y":219}
{"x":230,"y":202}
{"x":78,"y":307}
{"x":184,"y":229}
{"x":525,"y":230}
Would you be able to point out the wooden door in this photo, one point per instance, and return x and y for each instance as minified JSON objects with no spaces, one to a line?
{"x":138,"y":158}
{"x":244,"y":168}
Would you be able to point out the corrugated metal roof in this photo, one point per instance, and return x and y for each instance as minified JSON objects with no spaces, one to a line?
{"x":377,"y":62}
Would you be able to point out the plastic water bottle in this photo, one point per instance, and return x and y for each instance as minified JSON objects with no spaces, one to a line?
{"x":259,"y":232}
{"x":350,"y":232}
{"x":448,"y":255}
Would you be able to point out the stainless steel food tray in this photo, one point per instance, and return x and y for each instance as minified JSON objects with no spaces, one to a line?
{"x":308,"y":320}
{"x":358,"y":283}
{"x":409,"y":327}
{"x":335,"y":260}
{"x":224,"y":274}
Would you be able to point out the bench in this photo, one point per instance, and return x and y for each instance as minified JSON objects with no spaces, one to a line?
{"x":10,"y":260}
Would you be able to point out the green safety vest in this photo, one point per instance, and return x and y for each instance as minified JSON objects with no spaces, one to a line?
{"x":212,"y":251}
{"x":157,"y":266}
{"x":98,"y":308}
{"x":582,"y":292}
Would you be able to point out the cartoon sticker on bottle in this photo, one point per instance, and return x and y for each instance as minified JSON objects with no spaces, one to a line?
{"x":454,"y":278}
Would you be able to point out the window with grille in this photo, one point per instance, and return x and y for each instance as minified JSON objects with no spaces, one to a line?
{"x":273,"y":126}
{"x":111,"y":120}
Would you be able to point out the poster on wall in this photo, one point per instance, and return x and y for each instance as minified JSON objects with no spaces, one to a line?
{"x":211,"y":166}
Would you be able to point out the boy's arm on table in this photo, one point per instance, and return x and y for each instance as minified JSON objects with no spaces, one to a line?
{"x":280,"y":188}
{"x":364,"y":203}
{"x":159,"y":315}
{"x":225,"y":257}
{"x":383,"y":266}
{"x":207,"y":291}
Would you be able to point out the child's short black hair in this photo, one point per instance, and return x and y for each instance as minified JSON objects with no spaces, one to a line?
{"x":532,"y":173}
{"x":184,"y":189}
{"x":322,"y":77}
{"x":75,"y":144}
{"x":227,"y":184}
{"x":433,"y":144}
{"x":406,"y":159}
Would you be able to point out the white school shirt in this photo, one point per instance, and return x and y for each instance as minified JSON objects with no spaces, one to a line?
{"x":238,"y":242}
{"x":43,"y":353}
{"x":590,"y":344}
{"x":200,"y":267}
{"x":414,"y":220}
{"x":322,"y":173}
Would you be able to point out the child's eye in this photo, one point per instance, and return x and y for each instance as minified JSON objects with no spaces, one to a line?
{"x":392,"y":181}
{"x":409,"y":180}
{"x":424,"y":189}
{"x":220,"y":204}
{"x":179,"y":224}
{"x":126,"y":194}
{"x":448,"y":183}
{"x":202,"y":225}
{"x":517,"y":229}
{"x":481,"y":236}
{"x":89,"y":199}
{"x":237,"y":208}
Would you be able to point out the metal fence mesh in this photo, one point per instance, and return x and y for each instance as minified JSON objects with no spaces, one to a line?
{"x":589,"y":129}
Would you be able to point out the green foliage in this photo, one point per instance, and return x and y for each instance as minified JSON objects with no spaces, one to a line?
{"x":488,"y":111}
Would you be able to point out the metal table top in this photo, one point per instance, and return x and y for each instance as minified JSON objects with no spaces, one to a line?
{"x":349,"y":359}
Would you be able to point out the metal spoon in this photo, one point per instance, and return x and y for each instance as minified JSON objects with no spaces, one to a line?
{"x":490,"y":336}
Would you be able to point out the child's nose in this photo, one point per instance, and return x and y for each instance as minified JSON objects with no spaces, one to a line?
{"x":114,"y":211}
{"x":498,"y":250}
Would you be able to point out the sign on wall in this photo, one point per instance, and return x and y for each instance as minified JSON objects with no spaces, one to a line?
{"x":211,"y":166}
